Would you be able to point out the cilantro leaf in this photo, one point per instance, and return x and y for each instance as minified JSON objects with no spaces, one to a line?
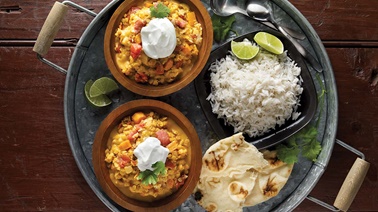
{"x":292,"y":141}
{"x":311,"y":150}
{"x":159,"y":168}
{"x":309,"y":134}
{"x":288,"y":153}
{"x":305,"y":140}
{"x":310,"y":146}
{"x":221,"y":26}
{"x":147,"y":177}
{"x":151,"y":177}
{"x":159,"y":10}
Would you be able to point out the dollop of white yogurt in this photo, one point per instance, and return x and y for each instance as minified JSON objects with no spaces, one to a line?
{"x":149,"y":152}
{"x":159,"y":38}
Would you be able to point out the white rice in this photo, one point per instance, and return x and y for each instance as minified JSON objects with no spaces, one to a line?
{"x":257,"y":95}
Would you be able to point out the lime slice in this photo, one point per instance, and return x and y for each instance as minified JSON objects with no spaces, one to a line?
{"x":98,"y":101}
{"x":102,"y":86}
{"x":269,"y":42}
{"x":244,"y":50}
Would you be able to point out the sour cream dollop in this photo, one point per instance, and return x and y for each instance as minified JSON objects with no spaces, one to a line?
{"x":149,"y":152}
{"x":159,"y":38}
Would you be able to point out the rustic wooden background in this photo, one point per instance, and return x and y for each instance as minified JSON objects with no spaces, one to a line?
{"x":37,"y":168}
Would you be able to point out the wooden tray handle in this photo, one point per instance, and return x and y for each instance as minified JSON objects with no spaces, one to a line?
{"x":352,"y":184}
{"x":50,"y":28}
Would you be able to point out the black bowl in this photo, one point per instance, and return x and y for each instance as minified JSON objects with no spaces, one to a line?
{"x":308,"y":98}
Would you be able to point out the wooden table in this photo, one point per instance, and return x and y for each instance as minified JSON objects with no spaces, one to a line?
{"x":38,"y":170}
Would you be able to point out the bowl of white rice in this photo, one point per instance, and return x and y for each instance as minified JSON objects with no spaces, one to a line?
{"x":268,"y":98}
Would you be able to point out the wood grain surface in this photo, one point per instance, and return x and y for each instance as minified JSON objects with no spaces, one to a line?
{"x":37,"y":169}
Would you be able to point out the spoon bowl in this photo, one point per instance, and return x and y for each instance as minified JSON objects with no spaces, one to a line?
{"x":261,"y":11}
{"x":230,"y":7}
{"x":258,"y":12}
{"x":226,"y":8}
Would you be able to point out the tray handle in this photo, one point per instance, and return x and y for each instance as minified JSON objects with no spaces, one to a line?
{"x":51,"y":27}
{"x":351,"y":184}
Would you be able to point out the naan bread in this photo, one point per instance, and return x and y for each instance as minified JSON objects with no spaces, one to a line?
{"x":231,"y":156}
{"x":235,"y":174}
{"x":270,"y":180}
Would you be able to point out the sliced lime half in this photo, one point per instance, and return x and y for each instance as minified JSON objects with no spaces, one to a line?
{"x":269,"y":42}
{"x":244,"y":50}
{"x":98,"y":101}
{"x":102,"y":86}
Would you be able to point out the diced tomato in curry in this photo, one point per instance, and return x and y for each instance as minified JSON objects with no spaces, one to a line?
{"x":159,"y":69}
{"x":141,"y":77}
{"x":139,"y":24}
{"x":123,"y":160}
{"x":169,"y":164}
{"x":163,"y":136}
{"x":181,"y":23}
{"x":135,"y":50}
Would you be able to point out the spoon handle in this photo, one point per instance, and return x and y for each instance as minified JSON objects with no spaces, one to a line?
{"x":290,"y":31}
{"x":304,"y":52}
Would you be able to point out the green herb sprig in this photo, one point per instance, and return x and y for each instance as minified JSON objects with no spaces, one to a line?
{"x":159,"y":10}
{"x":221,"y":26}
{"x":305,"y":141}
{"x":150,"y":177}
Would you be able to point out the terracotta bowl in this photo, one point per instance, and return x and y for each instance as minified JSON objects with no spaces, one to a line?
{"x":202,"y":16}
{"x":102,"y":172}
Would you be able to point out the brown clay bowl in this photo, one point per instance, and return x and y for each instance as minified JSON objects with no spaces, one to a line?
{"x":202,"y":16}
{"x":102,"y":172}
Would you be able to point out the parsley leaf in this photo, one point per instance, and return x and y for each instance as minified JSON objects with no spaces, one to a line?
{"x":288,"y":153}
{"x":159,"y":10}
{"x":221,"y":26}
{"x":147,"y":177}
{"x":312,"y":149}
{"x":151,"y":177}
{"x":159,"y":168}
{"x":305,"y":141}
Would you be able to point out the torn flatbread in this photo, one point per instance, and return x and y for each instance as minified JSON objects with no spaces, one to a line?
{"x":231,"y":156}
{"x":235,"y":175}
{"x":270,"y":180}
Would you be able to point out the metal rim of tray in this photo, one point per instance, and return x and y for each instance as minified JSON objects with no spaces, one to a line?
{"x":316,"y":170}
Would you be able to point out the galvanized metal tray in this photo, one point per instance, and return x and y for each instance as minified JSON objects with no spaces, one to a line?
{"x":82,"y":120}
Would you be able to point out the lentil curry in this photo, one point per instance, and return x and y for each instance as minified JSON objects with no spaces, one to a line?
{"x":136,"y":65}
{"x":122,"y":163}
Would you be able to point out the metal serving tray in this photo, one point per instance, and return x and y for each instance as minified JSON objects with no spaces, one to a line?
{"x":82,"y":120}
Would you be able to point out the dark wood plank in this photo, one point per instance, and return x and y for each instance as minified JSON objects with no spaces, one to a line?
{"x":356,"y":77}
{"x":333,"y":20}
{"x":38,"y":171}
{"x":26,"y":21}
{"x":341,"y":20}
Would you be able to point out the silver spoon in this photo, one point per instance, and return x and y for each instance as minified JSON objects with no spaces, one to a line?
{"x":229,"y":7}
{"x":260,"y":11}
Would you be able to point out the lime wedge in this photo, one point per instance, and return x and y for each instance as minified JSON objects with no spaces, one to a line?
{"x":98,"y":101}
{"x":102,"y":86}
{"x":269,"y":42}
{"x":244,"y":50}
